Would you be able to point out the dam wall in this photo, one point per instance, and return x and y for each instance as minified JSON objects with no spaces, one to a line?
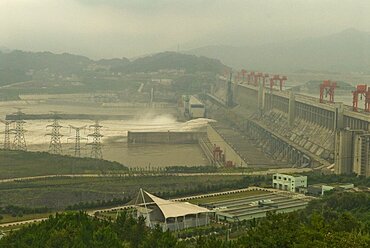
{"x":164,"y":137}
{"x":216,"y":138}
{"x":300,"y":129}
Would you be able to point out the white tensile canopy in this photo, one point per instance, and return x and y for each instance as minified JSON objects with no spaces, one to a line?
{"x":169,"y":209}
{"x":176,"y":209}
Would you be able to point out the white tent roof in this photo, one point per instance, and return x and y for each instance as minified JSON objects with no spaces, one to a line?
{"x":176,"y":209}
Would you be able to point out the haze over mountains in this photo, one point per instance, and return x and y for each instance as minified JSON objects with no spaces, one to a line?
{"x":347,"y":51}
{"x":17,"y":66}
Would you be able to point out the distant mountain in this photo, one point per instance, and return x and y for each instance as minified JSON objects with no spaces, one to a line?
{"x":113,"y":62}
{"x":68,"y":63}
{"x":172,"y":61}
{"x":313,"y":86}
{"x":17,"y":66}
{"x":57,"y":63}
{"x":346,"y":51}
{"x":4,"y":49}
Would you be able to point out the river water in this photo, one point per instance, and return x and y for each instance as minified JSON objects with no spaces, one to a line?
{"x":115,"y":147}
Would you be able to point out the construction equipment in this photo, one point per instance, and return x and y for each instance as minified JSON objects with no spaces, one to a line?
{"x":244,"y":73}
{"x":264,"y":77}
{"x":257,"y":79}
{"x":250,"y":77}
{"x":275,"y":79}
{"x":327,"y":87}
{"x":363,"y":92}
{"x":282,"y":79}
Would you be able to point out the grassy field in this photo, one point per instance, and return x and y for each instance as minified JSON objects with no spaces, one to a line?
{"x":25,"y":164}
{"x":234,"y":196}
{"x":58,"y":193}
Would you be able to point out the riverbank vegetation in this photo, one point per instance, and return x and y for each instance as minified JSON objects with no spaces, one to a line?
{"x":15,"y":164}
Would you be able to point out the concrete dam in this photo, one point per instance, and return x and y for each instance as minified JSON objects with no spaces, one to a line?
{"x":297,"y":128}
{"x":168,"y":137}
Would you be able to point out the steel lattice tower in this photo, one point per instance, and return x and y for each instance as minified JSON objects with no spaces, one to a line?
{"x":96,"y":146}
{"x":77,"y":139}
{"x":55,"y":146}
{"x":229,"y":93}
{"x":7,"y":144}
{"x":19,"y":142}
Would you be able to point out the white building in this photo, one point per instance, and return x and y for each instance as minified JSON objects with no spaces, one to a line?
{"x":320,"y":189}
{"x":196,"y":108}
{"x":289,"y":182}
{"x":170,"y":215}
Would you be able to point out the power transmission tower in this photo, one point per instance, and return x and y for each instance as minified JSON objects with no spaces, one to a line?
{"x":55,"y":146}
{"x":7,"y":144}
{"x":77,"y":139}
{"x":19,"y":142}
{"x":229,"y":93}
{"x":96,"y":146}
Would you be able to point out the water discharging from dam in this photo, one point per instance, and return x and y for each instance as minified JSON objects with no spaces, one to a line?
{"x":115,"y":145}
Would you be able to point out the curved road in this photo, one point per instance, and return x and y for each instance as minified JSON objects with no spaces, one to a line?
{"x":92,"y":212}
{"x":253,"y":173}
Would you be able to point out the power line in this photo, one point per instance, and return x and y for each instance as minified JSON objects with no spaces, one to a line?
{"x":96,"y":147}
{"x":77,"y":139}
{"x":19,"y":142}
{"x":55,"y":146}
{"x":7,"y":144}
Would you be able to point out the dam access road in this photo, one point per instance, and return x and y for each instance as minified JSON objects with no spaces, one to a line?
{"x":249,"y":173}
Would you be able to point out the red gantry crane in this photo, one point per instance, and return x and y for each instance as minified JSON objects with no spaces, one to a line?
{"x":244,"y":72}
{"x":237,"y":77}
{"x":282,"y":79}
{"x":264,"y":77}
{"x":363,"y":91}
{"x":327,"y":87}
{"x":274,"y":80}
{"x":251,"y":77}
{"x":257,"y":78}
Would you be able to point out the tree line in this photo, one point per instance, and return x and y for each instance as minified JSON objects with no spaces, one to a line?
{"x":340,"y":219}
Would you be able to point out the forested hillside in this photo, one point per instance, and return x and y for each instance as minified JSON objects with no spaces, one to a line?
{"x":174,"y":61}
{"x":340,"y":220}
{"x":19,"y":66}
{"x":15,"y":164}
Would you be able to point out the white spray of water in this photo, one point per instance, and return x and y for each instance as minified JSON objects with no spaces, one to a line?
{"x":36,"y":129}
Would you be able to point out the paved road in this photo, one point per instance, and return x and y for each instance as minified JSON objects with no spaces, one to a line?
{"x":18,"y":223}
{"x":14,"y":84}
{"x":253,"y":173}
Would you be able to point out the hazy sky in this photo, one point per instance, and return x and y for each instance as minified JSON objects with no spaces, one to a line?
{"x":127,"y":28}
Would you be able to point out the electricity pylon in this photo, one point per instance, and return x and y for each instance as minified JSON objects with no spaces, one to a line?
{"x":55,"y":146}
{"x":96,"y":147}
{"x":7,"y":144}
{"x":77,"y":139}
{"x":19,"y":142}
